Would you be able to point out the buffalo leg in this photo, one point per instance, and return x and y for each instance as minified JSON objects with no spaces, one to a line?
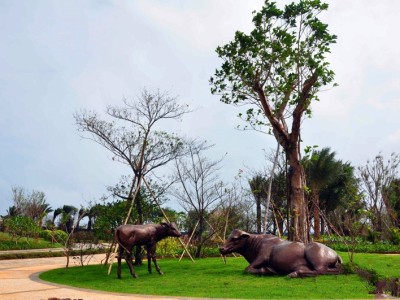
{"x":260,"y":271}
{"x":128,"y":259}
{"x":149,"y":259}
{"x":329,"y":271}
{"x":303,"y":271}
{"x":120,"y":253}
{"x":259,"y":267}
{"x":151,"y":252}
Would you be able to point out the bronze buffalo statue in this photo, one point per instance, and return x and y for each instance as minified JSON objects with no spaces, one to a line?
{"x":268,"y":254}
{"x":148,"y":235}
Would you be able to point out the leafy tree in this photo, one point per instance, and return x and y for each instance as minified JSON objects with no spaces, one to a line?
{"x":277,"y":70}
{"x":108,"y":217}
{"x":392,"y":195}
{"x":340,"y":195}
{"x":21,"y":226}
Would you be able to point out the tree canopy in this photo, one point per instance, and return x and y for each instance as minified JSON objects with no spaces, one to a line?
{"x":277,"y":71}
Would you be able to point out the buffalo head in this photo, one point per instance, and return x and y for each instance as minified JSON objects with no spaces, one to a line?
{"x":235,"y":242}
{"x":172,"y":229}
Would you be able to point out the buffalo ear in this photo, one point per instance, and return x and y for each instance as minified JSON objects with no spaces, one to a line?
{"x":244,"y":235}
{"x":164,"y":223}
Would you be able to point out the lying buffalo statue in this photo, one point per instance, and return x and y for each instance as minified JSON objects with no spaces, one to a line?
{"x":268,"y":254}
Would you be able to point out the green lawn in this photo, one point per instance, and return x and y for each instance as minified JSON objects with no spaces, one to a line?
{"x":213,"y":279}
{"x":386,"y":265}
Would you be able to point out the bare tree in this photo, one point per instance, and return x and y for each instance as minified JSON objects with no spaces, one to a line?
{"x":131,"y":134}
{"x":200,"y":187}
{"x":30,"y":204}
{"x":376,"y":178}
{"x":234,"y":210}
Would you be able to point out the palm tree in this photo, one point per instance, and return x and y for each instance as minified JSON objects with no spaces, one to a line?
{"x":259,"y":189}
{"x":67,"y":213}
{"x":341,"y":195}
{"x":12,"y":211}
{"x":321,"y":170}
{"x":56,"y":213}
{"x":44,"y":210}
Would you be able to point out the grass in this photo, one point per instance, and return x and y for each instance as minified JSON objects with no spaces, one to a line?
{"x":385,"y":265}
{"x":211,"y":278}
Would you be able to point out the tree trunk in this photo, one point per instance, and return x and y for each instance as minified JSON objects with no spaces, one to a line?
{"x":322,"y":226}
{"x":200,"y":237}
{"x":89,"y":224}
{"x":317,"y":218}
{"x":297,"y":209}
{"x":258,"y":204}
{"x":139,"y":209}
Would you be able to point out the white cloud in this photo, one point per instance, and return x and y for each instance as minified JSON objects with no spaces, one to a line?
{"x":59,"y":57}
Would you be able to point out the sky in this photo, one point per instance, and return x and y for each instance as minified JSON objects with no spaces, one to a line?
{"x":59,"y":57}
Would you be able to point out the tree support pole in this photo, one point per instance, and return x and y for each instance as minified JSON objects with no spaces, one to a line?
{"x":190,"y":238}
{"x":165,"y":216}
{"x":271,"y":177}
{"x":222,"y":240}
{"x":126,"y":221}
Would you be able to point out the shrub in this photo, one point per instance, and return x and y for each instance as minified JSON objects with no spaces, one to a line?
{"x":54,"y":236}
{"x":394,"y":236}
{"x":169,"y":247}
{"x":85,"y":237}
{"x":359,"y":244}
{"x":20,"y":226}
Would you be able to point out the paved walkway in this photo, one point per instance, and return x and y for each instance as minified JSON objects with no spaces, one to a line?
{"x":19,"y":281}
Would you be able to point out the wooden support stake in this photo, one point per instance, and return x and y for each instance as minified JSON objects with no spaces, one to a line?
{"x":165,"y":216}
{"x":113,"y":254}
{"x":190,"y":238}
{"x":223,"y":257}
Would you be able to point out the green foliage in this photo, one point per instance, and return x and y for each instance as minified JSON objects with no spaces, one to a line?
{"x":285,"y":52}
{"x":54,"y":236}
{"x":8,"y":243}
{"x":21,"y":226}
{"x":394,"y":236}
{"x":322,"y":168}
{"x":109,"y":217}
{"x":359,"y":244}
{"x":211,"y":278}
{"x":169,"y":247}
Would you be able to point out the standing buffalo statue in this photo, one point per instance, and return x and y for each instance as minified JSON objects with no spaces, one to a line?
{"x":148,"y":235}
{"x":268,"y":254}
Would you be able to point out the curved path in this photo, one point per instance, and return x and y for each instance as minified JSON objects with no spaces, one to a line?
{"x":19,"y":281}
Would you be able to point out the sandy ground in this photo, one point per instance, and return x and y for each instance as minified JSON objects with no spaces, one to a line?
{"x":19,"y":281}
